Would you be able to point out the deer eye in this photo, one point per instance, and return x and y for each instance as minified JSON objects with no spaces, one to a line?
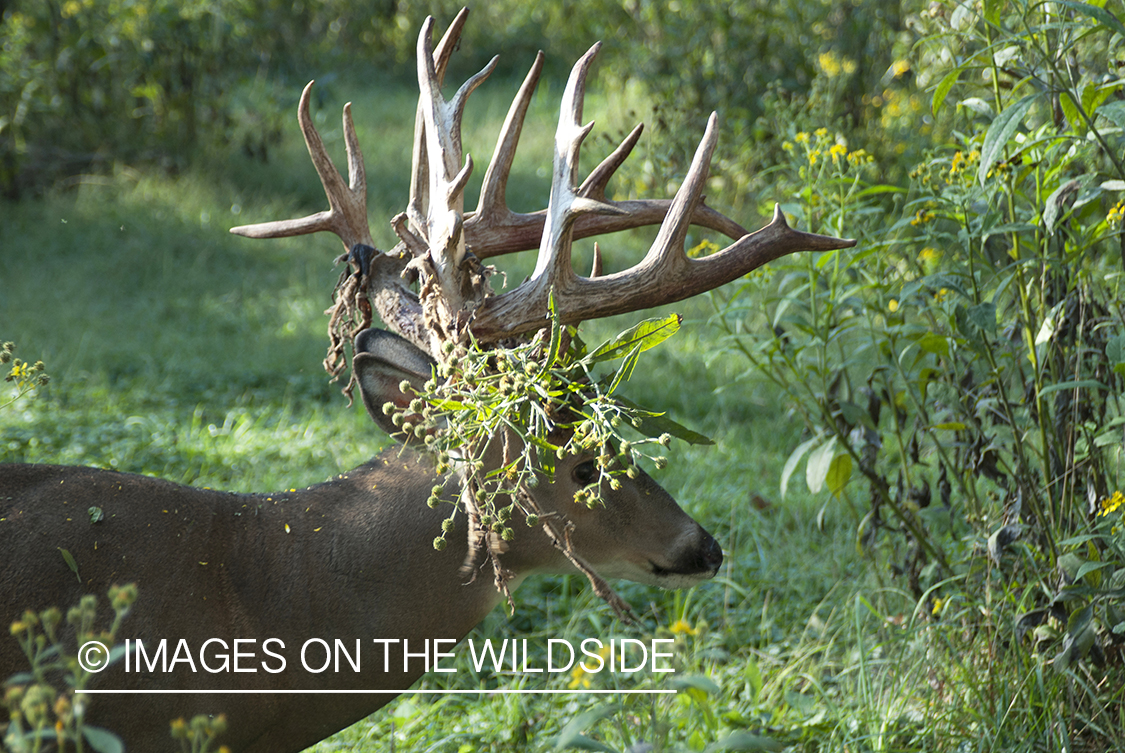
{"x":585,"y":473}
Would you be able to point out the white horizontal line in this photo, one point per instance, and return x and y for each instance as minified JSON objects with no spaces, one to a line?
{"x":396,"y":692}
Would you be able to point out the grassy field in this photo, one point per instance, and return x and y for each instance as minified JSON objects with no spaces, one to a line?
{"x":180,"y":351}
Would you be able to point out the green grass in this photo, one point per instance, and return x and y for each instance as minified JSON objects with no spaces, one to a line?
{"x":178,"y":350}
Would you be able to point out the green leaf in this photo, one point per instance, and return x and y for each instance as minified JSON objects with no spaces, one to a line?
{"x":448,"y":405}
{"x":1115,"y":350}
{"x":102,"y":740}
{"x":1094,"y":94}
{"x":753,"y":675}
{"x":571,"y":737}
{"x":793,"y":461}
{"x":556,"y":335}
{"x":655,"y":424}
{"x":839,"y":473}
{"x":1079,"y":639}
{"x":647,"y":334}
{"x":1070,"y":112}
{"x":1091,"y":567}
{"x":855,"y":414}
{"x":743,"y":740}
{"x":1115,"y":112}
{"x":1101,"y":15}
{"x":97,"y":515}
{"x":626,"y":369}
{"x":1077,"y":384}
{"x":932,"y":342}
{"x":1055,"y":208}
{"x":820,"y":461}
{"x":984,"y":316}
{"x":1000,"y":132}
{"x":699,"y":682}
{"x":70,"y":563}
{"x":1069,"y":563}
{"x":941,"y":91}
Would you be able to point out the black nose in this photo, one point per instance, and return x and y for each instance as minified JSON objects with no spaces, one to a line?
{"x":711,"y":554}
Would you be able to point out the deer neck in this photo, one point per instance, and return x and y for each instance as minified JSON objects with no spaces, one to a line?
{"x":367,"y":540}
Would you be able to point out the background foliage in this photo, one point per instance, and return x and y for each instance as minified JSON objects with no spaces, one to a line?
{"x":918,"y":480}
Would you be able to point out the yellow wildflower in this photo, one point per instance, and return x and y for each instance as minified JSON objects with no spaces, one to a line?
{"x":892,"y":306}
{"x":829,"y":63}
{"x":860,"y":157}
{"x":938,"y":604}
{"x":929,"y":255}
{"x":813,"y":156}
{"x":1111,"y":504}
{"x":579,"y":677}
{"x":821,"y":132}
{"x":921,"y":217}
{"x":957,"y":164}
{"x":801,"y":138}
{"x":837,"y":151}
{"x":681,"y":627}
{"x":1116,"y":214}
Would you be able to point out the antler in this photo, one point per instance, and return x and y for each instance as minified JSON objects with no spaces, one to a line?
{"x":347,"y":205}
{"x":437,"y":235}
{"x":665,"y":275}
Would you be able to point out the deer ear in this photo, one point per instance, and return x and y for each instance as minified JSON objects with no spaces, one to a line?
{"x":383,"y":361}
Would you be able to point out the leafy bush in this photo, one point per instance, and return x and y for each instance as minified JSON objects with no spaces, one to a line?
{"x":960,"y":373}
{"x":84,"y":83}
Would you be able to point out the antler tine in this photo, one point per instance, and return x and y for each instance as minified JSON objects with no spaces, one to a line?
{"x":596,"y":182}
{"x":648,"y":212}
{"x":553,"y":265}
{"x":419,"y":176}
{"x":442,"y":125}
{"x":665,"y":275}
{"x":347,"y":212}
{"x":492,"y":208}
{"x":667,"y":250}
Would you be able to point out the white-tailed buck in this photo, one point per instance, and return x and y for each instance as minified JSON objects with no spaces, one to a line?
{"x":352,"y":559}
